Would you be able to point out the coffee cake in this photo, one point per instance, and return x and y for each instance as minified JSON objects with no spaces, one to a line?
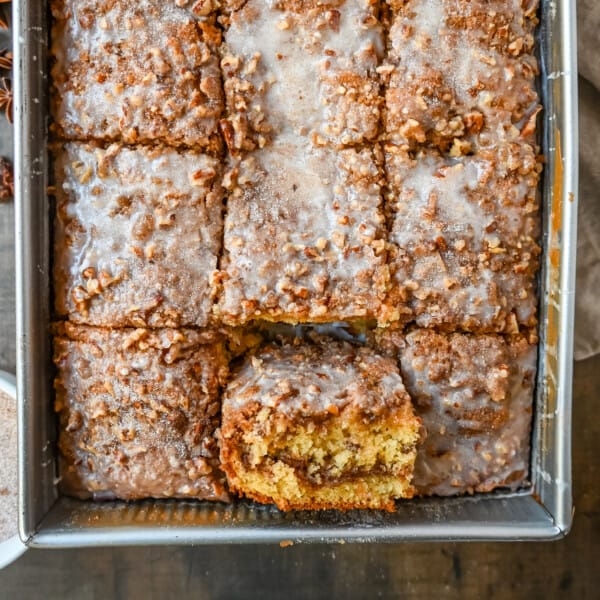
{"x":460,"y":74}
{"x":302,"y":70}
{"x":463,"y":238}
{"x":313,"y":425}
{"x":474,"y":394}
{"x":137,"y":236}
{"x":135,"y":71}
{"x":304,"y":237}
{"x":138,"y":412}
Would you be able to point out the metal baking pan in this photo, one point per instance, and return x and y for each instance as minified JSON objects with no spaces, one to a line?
{"x":544,"y":511}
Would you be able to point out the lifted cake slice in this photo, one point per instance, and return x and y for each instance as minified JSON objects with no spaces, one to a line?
{"x":317,"y":425}
{"x":138,"y":412}
{"x":137,"y":236}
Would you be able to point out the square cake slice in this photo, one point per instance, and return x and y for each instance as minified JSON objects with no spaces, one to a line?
{"x":137,"y":237}
{"x":135,"y":71}
{"x":302,"y":69}
{"x":304,"y":237}
{"x":474,"y":394}
{"x":138,"y":412}
{"x":463,"y":238}
{"x":318,"y":425}
{"x":460,"y":73}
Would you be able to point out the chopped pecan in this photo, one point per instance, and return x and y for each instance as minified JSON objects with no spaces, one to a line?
{"x":7,"y":187}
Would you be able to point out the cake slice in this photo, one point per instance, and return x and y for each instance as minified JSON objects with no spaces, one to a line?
{"x":136,"y":71}
{"x":302,"y":69}
{"x":137,"y":235}
{"x":317,"y":425}
{"x":463,"y":242}
{"x":474,"y":394}
{"x":304,"y":238}
{"x":460,"y":74}
{"x":138,"y":412}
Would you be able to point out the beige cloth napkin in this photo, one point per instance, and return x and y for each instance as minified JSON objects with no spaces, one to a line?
{"x":587,"y":325}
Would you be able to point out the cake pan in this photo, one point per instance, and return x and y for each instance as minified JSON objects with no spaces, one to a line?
{"x":542,"y":511}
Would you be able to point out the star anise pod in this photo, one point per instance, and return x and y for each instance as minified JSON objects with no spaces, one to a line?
{"x":7,"y":183}
{"x":6,"y":98}
{"x":6,"y":60}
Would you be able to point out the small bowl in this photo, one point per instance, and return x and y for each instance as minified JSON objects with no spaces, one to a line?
{"x":13,"y":547}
